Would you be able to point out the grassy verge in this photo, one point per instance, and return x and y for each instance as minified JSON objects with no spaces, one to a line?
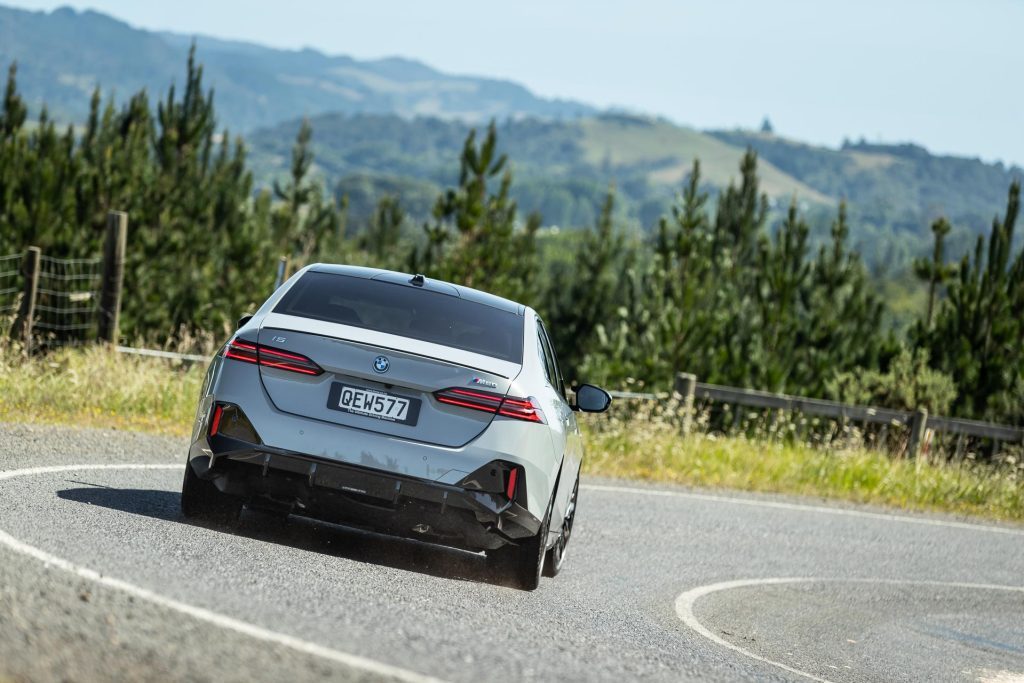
{"x":652,"y":450}
{"x":95,"y":388}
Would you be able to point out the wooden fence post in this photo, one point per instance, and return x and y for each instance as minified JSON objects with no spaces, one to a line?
{"x":918,"y":424}
{"x":686,"y":387}
{"x":282,"y":270}
{"x":113,"y":276}
{"x":25,"y":320}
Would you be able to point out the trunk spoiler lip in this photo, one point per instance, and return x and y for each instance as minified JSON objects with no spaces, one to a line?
{"x":391,"y":342}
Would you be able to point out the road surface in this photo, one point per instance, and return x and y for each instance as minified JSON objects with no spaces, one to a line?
{"x":101,"y":578}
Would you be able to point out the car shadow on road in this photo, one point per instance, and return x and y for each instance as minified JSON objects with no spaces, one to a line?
{"x":301,"y":533}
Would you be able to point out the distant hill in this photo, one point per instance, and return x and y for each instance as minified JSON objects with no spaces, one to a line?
{"x":563,"y":167}
{"x":902,"y":187}
{"x":395,"y":126}
{"x":64,"y":54}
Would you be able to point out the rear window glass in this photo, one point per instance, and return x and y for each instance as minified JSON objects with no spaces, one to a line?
{"x":406,"y":311}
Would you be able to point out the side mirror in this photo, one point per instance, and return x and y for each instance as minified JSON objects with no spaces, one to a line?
{"x":244,"y":320}
{"x":591,"y":399}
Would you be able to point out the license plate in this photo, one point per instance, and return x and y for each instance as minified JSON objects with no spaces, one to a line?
{"x":374,"y":403}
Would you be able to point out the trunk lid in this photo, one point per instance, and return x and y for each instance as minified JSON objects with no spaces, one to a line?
{"x":353,"y":387}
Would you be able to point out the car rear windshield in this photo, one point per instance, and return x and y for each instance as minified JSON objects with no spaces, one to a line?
{"x":407,"y":311}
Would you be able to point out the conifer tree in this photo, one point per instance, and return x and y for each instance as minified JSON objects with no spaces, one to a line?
{"x":584,"y":293}
{"x":382,"y":236}
{"x":977,"y":332}
{"x":936,"y":272}
{"x":473,"y":239}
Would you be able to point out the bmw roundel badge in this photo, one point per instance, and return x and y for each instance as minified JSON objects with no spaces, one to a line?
{"x":381,"y":364}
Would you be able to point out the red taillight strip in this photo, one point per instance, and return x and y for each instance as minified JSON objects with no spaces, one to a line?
{"x":270,"y":357}
{"x":290,"y":366}
{"x":277,"y":352}
{"x":240,"y":350}
{"x":510,"y":491}
{"x":518,"y":408}
{"x":476,"y":394}
{"x":531,"y":415}
{"x":215,"y":422}
{"x":466,"y":404}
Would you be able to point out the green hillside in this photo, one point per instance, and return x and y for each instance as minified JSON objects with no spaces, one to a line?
{"x":897,"y":189}
{"x":563,"y":167}
{"x":395,"y":126}
{"x":669,"y":150}
{"x":65,"y":54}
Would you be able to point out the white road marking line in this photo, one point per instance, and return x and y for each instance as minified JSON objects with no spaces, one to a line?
{"x":355,"y":661}
{"x":56,"y":469}
{"x":778,"y":505}
{"x":684,"y":609}
{"x":988,"y":676}
{"x":686,"y":601}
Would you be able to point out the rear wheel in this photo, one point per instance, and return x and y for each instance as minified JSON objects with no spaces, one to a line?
{"x":556,"y":555}
{"x":201,"y":500}
{"x":524,"y":561}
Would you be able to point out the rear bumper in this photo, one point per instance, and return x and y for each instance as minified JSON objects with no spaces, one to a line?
{"x":372,"y":499}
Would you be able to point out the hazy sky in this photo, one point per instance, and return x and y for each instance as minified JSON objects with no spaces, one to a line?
{"x":948,"y":74}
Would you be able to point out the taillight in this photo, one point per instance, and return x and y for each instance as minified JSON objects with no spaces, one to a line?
{"x":518,"y":408}
{"x":229,"y":420}
{"x":499,"y":478}
{"x":513,"y":478}
{"x":215,"y":420}
{"x":271,"y":357}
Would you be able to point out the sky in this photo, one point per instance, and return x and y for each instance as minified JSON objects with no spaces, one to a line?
{"x":947,"y":74}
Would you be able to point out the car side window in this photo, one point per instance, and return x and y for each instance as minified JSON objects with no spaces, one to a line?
{"x":551,"y":363}
{"x":549,"y":367}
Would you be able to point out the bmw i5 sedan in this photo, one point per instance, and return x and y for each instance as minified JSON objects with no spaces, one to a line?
{"x":399,"y":404}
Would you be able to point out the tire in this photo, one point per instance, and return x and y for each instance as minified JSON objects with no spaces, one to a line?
{"x":524,"y":562}
{"x":201,"y":501}
{"x":556,"y":554}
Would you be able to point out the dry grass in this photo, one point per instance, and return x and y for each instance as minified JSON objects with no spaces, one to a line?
{"x":640,"y":444}
{"x":97,"y":388}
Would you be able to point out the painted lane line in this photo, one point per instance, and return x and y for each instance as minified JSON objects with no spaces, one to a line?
{"x":229,"y":623}
{"x":778,"y":505}
{"x":57,"y":469}
{"x":686,"y":601}
{"x":684,"y":609}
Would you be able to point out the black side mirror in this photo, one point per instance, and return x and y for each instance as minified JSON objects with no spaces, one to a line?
{"x":244,"y":320}
{"x":591,"y":399}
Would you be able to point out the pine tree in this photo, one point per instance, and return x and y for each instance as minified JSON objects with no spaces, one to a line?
{"x":306,"y":223}
{"x":583,"y":294}
{"x":977,"y":332}
{"x":935,"y":272}
{"x":473,"y":239}
{"x":382,"y":236}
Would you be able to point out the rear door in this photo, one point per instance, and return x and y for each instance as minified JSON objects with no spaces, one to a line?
{"x":385,"y":348}
{"x":566,"y":434}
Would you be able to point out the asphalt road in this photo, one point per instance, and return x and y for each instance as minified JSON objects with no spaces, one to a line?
{"x":102,"y":579}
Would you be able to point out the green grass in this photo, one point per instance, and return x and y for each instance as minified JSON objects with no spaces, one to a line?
{"x":652,"y":450}
{"x":95,"y":387}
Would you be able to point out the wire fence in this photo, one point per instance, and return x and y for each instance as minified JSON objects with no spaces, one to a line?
{"x":67,"y":303}
{"x":10,"y":284}
{"x":67,"y":299}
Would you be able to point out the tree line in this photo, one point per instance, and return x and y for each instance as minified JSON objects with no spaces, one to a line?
{"x":713,"y":288}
